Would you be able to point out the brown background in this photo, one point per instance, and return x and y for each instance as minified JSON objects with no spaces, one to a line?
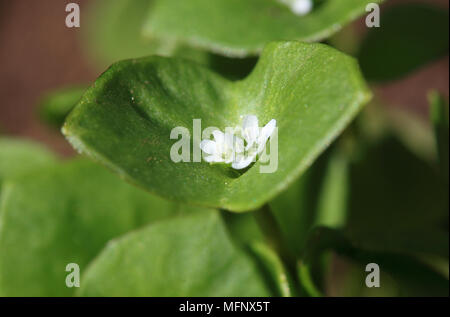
{"x":39,"y":53}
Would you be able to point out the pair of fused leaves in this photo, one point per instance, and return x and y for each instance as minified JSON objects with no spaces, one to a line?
{"x":55,"y":213}
{"x":125,"y":120}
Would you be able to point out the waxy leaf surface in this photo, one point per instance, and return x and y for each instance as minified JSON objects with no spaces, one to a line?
{"x":125,"y":120}
{"x":65,"y":214}
{"x":186,"y":256}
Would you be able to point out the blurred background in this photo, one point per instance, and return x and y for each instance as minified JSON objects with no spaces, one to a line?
{"x":38,"y":54}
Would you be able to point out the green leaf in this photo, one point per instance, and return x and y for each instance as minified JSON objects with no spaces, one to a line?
{"x":113,"y":32}
{"x":296,"y":208}
{"x":318,"y":198}
{"x":243,"y":228}
{"x":18,"y":157}
{"x":245,"y":231}
{"x":56,"y":105}
{"x":65,"y":214}
{"x":124,"y":120}
{"x":332,"y":205}
{"x":242,"y":27}
{"x":186,"y":256}
{"x":410,"y":36}
{"x":397,"y":202}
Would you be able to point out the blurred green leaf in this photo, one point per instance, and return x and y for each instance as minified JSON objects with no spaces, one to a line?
{"x":333,"y":201}
{"x":65,"y":214}
{"x":410,"y":36}
{"x":243,"y":228}
{"x":397,"y":202}
{"x":295,"y":209}
{"x":409,"y":276}
{"x":316,"y":198}
{"x":242,"y":27}
{"x":125,"y":119}
{"x":56,"y":105}
{"x":113,"y":33}
{"x":18,"y":157}
{"x":167,"y":259}
{"x":379,"y":120}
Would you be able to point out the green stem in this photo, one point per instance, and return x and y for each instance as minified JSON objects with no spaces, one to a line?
{"x":272,"y":233}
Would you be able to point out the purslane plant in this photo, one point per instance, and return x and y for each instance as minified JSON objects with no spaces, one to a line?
{"x":282,"y":225}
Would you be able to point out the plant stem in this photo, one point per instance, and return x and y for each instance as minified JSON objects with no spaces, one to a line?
{"x":272,"y":233}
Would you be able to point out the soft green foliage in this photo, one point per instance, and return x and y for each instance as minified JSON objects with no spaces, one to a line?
{"x":125,"y":120}
{"x":112,"y":31}
{"x":410,"y":277}
{"x":56,"y":105}
{"x":187,"y":256}
{"x":296,"y":208}
{"x":18,"y":157}
{"x":384,"y":219}
{"x":410,"y":36}
{"x":65,"y":214}
{"x":243,"y":27}
{"x":403,"y":199}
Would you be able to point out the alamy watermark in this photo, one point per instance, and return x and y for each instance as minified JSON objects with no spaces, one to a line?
{"x":373,"y":278}
{"x":73,"y":18}
{"x":73,"y":278}
{"x":373,"y":18}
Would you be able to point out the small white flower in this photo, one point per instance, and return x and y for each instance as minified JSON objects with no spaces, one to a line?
{"x":256,"y":137}
{"x":241,"y":147}
{"x":222,"y":149}
{"x":299,"y":7}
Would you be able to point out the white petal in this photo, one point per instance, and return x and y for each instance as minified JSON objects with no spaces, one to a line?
{"x":238,"y":145}
{"x":250,"y":129}
{"x":302,"y":7}
{"x":229,"y":140}
{"x":250,"y":122}
{"x":213,"y":159}
{"x":268,"y":129}
{"x":208,"y":146}
{"x":265,"y":134}
{"x":243,"y":162}
{"x":218,"y":136}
